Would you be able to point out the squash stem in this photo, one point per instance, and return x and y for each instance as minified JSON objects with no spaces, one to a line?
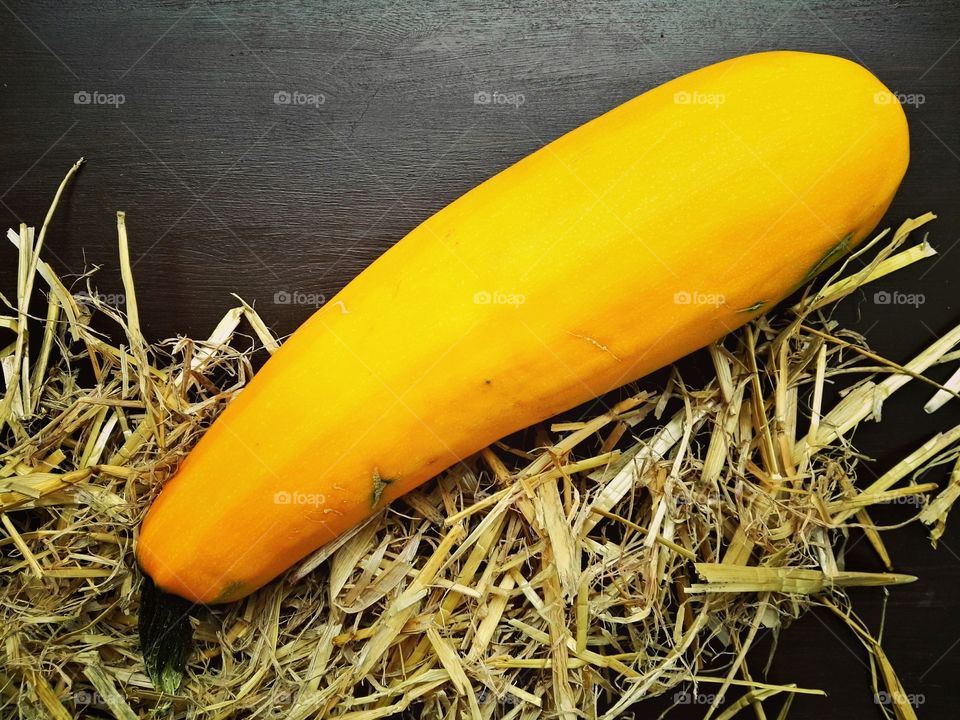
{"x":166,"y":637}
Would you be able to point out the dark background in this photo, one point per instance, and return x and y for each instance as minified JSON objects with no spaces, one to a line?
{"x":225,"y":190}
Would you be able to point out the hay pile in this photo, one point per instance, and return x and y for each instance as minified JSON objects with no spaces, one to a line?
{"x":630,"y":554}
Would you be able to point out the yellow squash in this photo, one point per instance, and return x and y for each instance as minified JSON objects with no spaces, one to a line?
{"x":614,"y":250}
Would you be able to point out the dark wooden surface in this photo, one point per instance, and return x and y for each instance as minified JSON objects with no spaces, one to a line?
{"x":225,"y":190}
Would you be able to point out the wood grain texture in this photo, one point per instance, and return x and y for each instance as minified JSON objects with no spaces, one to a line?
{"x":225,"y":190}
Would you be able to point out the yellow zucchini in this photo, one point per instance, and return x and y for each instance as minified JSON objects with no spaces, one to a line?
{"x":612,"y":251}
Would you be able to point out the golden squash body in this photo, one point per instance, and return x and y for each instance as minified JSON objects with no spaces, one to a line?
{"x":614,"y":250}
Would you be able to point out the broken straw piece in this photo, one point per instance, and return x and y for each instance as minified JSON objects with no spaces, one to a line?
{"x":941,"y":397}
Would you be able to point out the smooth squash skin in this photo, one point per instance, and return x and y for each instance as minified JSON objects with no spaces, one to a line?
{"x":614,"y":250}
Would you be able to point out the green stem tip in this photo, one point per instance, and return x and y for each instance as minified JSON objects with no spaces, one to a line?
{"x":166,"y":637}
